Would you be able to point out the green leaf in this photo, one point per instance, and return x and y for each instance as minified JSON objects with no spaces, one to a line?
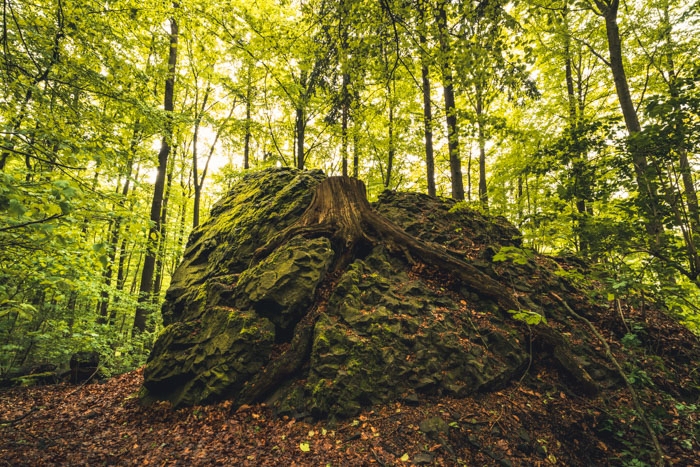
{"x":304,"y":447}
{"x":528,"y":317}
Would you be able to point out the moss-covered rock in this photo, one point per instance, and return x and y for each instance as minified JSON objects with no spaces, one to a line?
{"x":266,"y":306}
{"x":282,"y":286}
{"x":258,"y":207}
{"x":202,"y":360}
{"x":384,"y":334}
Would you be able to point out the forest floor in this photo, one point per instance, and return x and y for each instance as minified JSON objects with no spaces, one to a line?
{"x":525,"y":424}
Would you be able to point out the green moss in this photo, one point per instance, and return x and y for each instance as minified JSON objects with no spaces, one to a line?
{"x":381,"y":333}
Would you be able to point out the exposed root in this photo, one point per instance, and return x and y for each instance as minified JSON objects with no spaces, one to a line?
{"x":283,"y":366}
{"x":340,"y":210}
{"x":635,"y":398}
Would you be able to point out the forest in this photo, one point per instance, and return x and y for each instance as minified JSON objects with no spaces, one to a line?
{"x":123,"y":121}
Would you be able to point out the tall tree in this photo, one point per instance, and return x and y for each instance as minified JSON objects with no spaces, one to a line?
{"x":445,"y":60}
{"x":647,"y":185}
{"x":427,"y":100}
{"x":143,"y":310}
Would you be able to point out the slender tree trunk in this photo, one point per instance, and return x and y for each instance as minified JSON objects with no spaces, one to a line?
{"x":179,"y":241}
{"x":248,"y":106}
{"x":198,"y":181}
{"x":392,"y":143}
{"x":568,"y":70}
{"x":344,"y":93}
{"x":146,"y":286}
{"x":692,"y":236}
{"x":427,"y":106}
{"x":355,"y":155}
{"x":163,"y":236}
{"x":649,"y":198}
{"x":581,"y":218}
{"x":300,"y":133}
{"x":121,"y":269}
{"x":428,"y":125}
{"x":300,"y":127}
{"x":124,"y":256}
{"x":469,"y":175}
{"x":483,"y":193}
{"x":195,"y":159}
{"x":450,"y":107}
{"x":137,"y":271}
{"x":345,"y":111}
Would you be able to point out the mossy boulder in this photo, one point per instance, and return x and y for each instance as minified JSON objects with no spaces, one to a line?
{"x":222,"y":247}
{"x":282,"y":286}
{"x":322,"y":313}
{"x":384,"y":334}
{"x":197,"y":361}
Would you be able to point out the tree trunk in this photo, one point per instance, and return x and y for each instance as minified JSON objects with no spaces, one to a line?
{"x":300,"y":122}
{"x":248,"y":106}
{"x":195,"y":157}
{"x":483,"y":193}
{"x":450,"y":107}
{"x":427,"y":107}
{"x":300,"y":134}
{"x":392,"y":143}
{"x":355,"y":155}
{"x":146,"y":286}
{"x":648,"y":191}
{"x":345,"y":111}
{"x":575,"y":105}
{"x":692,"y":217}
{"x":163,"y":236}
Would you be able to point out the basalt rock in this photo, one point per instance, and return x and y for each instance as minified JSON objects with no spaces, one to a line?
{"x":322,"y":306}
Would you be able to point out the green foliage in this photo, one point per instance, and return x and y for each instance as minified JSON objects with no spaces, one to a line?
{"x":513,"y":254}
{"x":531,"y":318}
{"x":81,"y":115}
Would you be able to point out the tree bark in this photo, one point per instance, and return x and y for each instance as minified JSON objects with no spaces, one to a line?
{"x":248,"y":106}
{"x":576,"y":107}
{"x":355,"y":155}
{"x":195,"y":155}
{"x":163,"y":236}
{"x":345,"y":111}
{"x":146,"y":286}
{"x":300,"y":134}
{"x":427,"y":105}
{"x":483,"y":193}
{"x":648,"y":191}
{"x":450,"y":107}
{"x":392,"y":143}
{"x":300,"y":121}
